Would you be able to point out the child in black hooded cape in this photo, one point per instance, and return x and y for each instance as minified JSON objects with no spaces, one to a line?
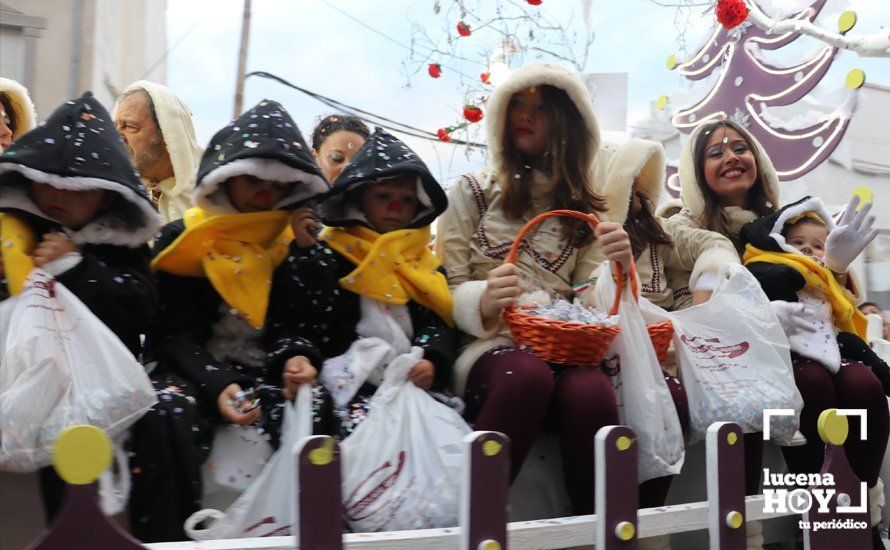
{"x":213,"y":270}
{"x":73,"y":205}
{"x":370,"y":288}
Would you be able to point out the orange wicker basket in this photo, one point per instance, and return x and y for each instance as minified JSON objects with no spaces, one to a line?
{"x":567,"y":343}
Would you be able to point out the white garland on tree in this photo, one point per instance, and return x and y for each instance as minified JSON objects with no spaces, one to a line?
{"x":871,"y":45}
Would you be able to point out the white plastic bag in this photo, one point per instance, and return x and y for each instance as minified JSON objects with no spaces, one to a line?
{"x":266,"y":508}
{"x":402,"y":466}
{"x":735,"y":360}
{"x":61,"y":366}
{"x":238,"y":456}
{"x":645,"y":403}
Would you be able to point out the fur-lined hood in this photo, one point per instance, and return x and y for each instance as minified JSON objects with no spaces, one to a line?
{"x":382,"y":156}
{"x":537,"y":74}
{"x":637,"y":160}
{"x":668,"y":208}
{"x":766,"y":233}
{"x":78,"y":148}
{"x":263,"y":142}
{"x":23,"y":108}
{"x":690,"y":192}
{"x":178,"y":130}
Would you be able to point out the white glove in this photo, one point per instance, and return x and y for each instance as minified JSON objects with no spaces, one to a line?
{"x":850,"y":237}
{"x":795,"y":318}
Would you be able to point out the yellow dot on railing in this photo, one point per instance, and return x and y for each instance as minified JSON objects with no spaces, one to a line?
{"x":732,"y":438}
{"x":833,"y":428}
{"x":846,"y":21}
{"x":489,"y":545}
{"x":623,"y":443}
{"x":81,"y":454}
{"x":734,"y":519}
{"x":855,"y":79}
{"x":625,"y":531}
{"x":491,"y":447}
{"x":672,"y":62}
{"x":324,"y":455}
{"x":661,"y":102}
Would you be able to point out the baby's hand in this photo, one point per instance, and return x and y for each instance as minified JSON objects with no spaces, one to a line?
{"x":297,"y":370}
{"x":304,"y":224}
{"x":422,"y":374}
{"x":51,"y":247}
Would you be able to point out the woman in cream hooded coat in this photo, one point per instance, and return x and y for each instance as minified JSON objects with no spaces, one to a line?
{"x":17,"y":116}
{"x":542,"y":136}
{"x":726,"y":181}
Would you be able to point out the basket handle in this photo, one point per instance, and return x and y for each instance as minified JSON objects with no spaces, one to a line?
{"x":592,"y":221}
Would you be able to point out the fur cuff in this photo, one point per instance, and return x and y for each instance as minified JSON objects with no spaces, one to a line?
{"x":710,"y":261}
{"x":62,"y":264}
{"x":467,"y":317}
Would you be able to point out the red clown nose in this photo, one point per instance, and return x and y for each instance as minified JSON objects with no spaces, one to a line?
{"x":395,"y":206}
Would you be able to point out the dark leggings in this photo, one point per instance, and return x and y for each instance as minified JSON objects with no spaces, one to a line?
{"x":512,"y":391}
{"x":853,"y":387}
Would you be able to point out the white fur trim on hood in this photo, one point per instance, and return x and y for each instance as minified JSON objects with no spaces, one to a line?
{"x":212,"y":197}
{"x":668,"y":208}
{"x":131,"y":221}
{"x":175,"y":122}
{"x":24,"y":115}
{"x":689,"y":186}
{"x":814,"y":205}
{"x":537,"y":74}
{"x":637,"y":160}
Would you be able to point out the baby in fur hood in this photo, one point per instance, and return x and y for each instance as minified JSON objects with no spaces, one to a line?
{"x":800,"y":258}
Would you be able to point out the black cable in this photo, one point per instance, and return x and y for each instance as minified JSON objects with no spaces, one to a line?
{"x":387,"y":123}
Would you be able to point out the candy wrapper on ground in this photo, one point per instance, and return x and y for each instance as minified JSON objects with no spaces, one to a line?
{"x":61,"y":366}
{"x":402,"y":466}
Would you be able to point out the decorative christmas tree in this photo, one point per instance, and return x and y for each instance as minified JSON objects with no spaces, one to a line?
{"x":747,"y":86}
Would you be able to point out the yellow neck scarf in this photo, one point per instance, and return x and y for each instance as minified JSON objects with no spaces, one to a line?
{"x":17,"y":242}
{"x":394,"y":267}
{"x":847,"y":316}
{"x":237,"y":252}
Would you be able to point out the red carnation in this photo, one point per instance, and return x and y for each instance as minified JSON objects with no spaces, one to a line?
{"x":463,"y":29}
{"x":472,"y":113}
{"x":534,"y":2}
{"x":486,"y":78}
{"x":731,"y":13}
{"x":435,"y":70}
{"x":443,"y":135}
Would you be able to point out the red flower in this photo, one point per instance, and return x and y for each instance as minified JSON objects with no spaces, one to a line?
{"x":486,"y":78}
{"x":463,"y":29}
{"x":443,"y":135}
{"x":472,"y":113}
{"x":731,"y":13}
{"x":534,"y":2}
{"x":435,"y":70}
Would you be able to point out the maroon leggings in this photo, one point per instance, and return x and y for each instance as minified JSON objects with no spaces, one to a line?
{"x":853,"y":387}
{"x":512,"y":391}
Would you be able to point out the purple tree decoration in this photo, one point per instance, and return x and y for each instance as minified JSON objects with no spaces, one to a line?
{"x":747,"y":85}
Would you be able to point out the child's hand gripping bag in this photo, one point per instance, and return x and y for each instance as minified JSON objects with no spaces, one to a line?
{"x":402,"y":467}
{"x":266,"y":508}
{"x":61,"y":366}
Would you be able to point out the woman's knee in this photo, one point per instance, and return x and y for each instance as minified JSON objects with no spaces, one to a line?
{"x":515,"y":372}
{"x":586,"y":392}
